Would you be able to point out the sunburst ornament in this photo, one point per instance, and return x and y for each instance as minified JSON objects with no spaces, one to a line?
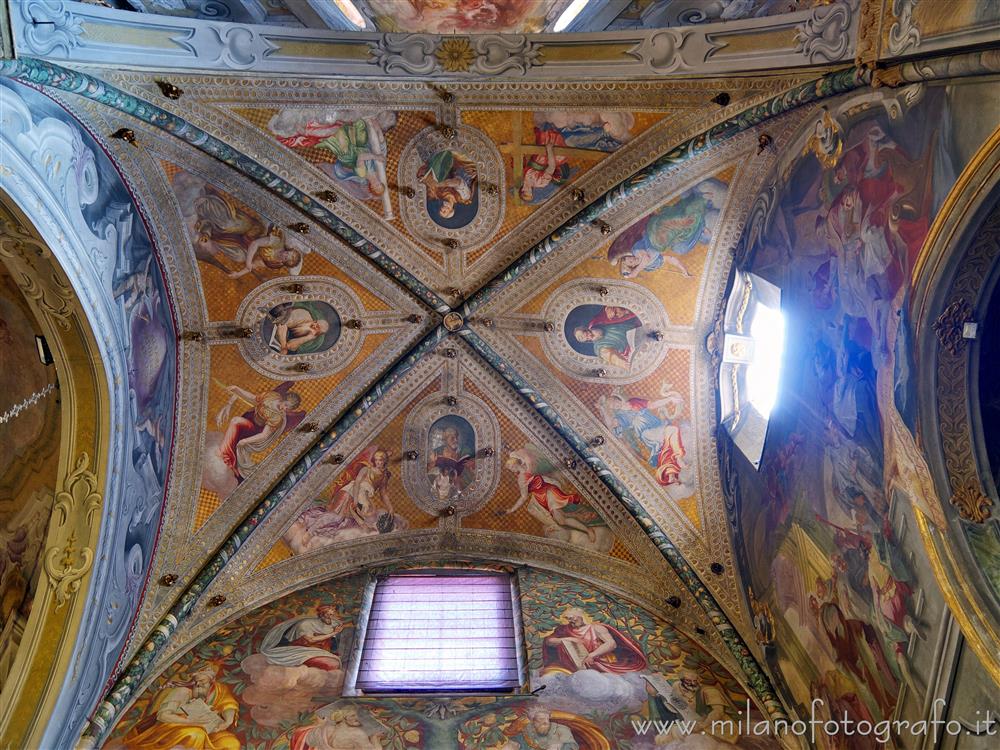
{"x":455,"y":54}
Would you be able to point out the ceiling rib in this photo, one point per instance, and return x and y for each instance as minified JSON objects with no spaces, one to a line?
{"x":43,"y":73}
{"x":831,"y":84}
{"x":125,"y":686}
{"x":38,"y":72}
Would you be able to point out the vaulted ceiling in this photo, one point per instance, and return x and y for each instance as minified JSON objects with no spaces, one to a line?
{"x":422,"y":319}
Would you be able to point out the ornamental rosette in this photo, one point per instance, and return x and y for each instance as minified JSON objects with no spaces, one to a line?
{"x":455,"y":54}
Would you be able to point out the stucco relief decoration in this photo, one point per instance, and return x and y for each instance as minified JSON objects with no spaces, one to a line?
{"x":234,"y":46}
{"x":74,"y":195}
{"x":66,"y":562}
{"x":903,"y":34}
{"x":605,"y":334}
{"x":458,"y":187}
{"x":405,"y":53}
{"x":670,"y":50}
{"x":824,"y":36}
{"x":50,"y":26}
{"x":457,"y":447}
{"x":499,"y":54}
{"x":315,"y":321}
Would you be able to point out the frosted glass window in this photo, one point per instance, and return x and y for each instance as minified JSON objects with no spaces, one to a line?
{"x":440,"y":632}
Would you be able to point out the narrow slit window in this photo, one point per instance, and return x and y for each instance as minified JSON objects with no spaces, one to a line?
{"x":440,"y":632}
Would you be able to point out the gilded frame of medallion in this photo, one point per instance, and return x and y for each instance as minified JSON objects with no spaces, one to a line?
{"x":952,"y":281}
{"x":648,"y":353}
{"x":712,"y":542}
{"x":417,"y":429}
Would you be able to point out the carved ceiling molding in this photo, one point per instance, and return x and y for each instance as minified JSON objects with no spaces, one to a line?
{"x":91,"y":34}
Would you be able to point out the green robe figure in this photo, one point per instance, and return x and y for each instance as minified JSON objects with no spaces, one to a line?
{"x":611,"y":333}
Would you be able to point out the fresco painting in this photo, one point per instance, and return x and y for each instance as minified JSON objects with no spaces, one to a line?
{"x":652,"y":428}
{"x":117,"y":261}
{"x":828,"y":574}
{"x":303,"y":327}
{"x":451,"y":187}
{"x":272,"y":680}
{"x":460,"y":16}
{"x":608,"y":333}
{"x":451,"y":451}
{"x":659,"y":241}
{"x":537,"y":495}
{"x":29,"y":464}
{"x":937,"y":19}
{"x":349,"y":146}
{"x":236,"y":248}
{"x":259,"y":421}
{"x":654,"y":14}
{"x":554,"y":503}
{"x":560,"y":139}
{"x":356,"y":505}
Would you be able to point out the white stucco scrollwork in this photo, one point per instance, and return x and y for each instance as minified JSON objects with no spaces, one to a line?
{"x":231,"y":45}
{"x":405,"y":53}
{"x":825,"y":36}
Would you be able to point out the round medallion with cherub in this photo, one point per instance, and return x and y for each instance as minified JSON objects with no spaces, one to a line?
{"x":300,"y":327}
{"x":451,"y":454}
{"x":605,"y":331}
{"x":456,"y":176}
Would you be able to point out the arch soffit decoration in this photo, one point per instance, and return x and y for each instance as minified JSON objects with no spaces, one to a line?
{"x":952,"y":280}
{"x":79,"y":511}
{"x":73,"y":197}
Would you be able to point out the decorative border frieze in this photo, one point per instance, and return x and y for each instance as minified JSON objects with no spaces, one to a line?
{"x":91,"y":34}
